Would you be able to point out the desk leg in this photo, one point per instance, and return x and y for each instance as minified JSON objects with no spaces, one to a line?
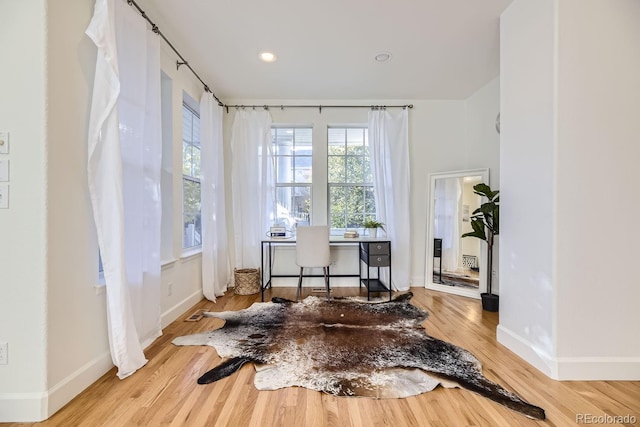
{"x":390,"y":281}
{"x":262,"y":268}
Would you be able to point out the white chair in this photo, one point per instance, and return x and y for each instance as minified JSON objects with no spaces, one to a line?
{"x":312,"y":250}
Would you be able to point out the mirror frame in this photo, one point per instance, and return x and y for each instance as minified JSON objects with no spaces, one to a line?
{"x":429,"y":283}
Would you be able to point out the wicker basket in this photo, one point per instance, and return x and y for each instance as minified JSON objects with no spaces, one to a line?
{"x":247,"y":281}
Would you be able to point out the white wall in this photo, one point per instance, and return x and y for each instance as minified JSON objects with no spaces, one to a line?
{"x":23,"y":227}
{"x":598,"y":177}
{"x":51,"y":313}
{"x":568,"y":164}
{"x":481,"y":137}
{"x":527,"y":179}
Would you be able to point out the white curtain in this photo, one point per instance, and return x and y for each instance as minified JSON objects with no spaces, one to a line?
{"x":448,"y":193}
{"x":253,"y":184}
{"x":389,"y":147}
{"x":124,"y":157}
{"x":215,"y":254}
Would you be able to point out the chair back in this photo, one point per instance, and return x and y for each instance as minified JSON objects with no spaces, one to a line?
{"x":312,"y":246}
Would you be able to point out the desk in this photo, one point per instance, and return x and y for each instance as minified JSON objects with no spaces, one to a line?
{"x":373,"y":253}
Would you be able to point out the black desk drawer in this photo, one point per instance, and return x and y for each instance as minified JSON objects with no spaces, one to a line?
{"x":375,"y":260}
{"x":375,"y":248}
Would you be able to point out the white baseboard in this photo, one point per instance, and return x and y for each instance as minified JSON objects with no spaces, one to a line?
{"x":21,"y":407}
{"x":526,"y":351}
{"x":180,"y":308}
{"x":34,"y":407}
{"x":599,"y":368}
{"x":62,"y":393}
{"x":571,"y":368}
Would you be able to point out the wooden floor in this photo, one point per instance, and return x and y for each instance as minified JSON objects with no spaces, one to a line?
{"x":165,"y":392}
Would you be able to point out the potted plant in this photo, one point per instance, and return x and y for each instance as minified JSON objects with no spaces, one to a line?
{"x":372,"y":226}
{"x":485,"y":222}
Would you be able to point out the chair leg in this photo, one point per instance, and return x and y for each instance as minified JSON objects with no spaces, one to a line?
{"x":299,"y":289}
{"x":326,"y":281}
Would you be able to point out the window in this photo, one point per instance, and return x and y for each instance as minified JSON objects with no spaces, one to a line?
{"x":350,"y":182}
{"x":293,"y":157}
{"x":192,"y":225}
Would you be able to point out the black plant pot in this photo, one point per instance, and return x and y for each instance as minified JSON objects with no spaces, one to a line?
{"x":490,"y":302}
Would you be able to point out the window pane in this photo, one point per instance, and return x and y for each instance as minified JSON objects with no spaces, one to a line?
{"x":192,"y":230}
{"x":283,"y":143}
{"x":186,"y":159}
{"x":195,"y":162}
{"x":355,"y":200}
{"x":196,"y":131}
{"x":303,"y":169}
{"x":303,"y":138}
{"x":284,"y":171}
{"x":187,"y":132}
{"x":301,"y":204}
{"x":191,"y":176}
{"x":336,"y":135}
{"x":337,"y":203}
{"x":355,"y":142}
{"x":293,"y":159}
{"x":368,"y":177}
{"x":336,"y":169}
{"x":294,"y":204}
{"x":355,"y":220}
{"x":349,"y":177}
{"x":355,"y":170}
{"x":369,"y":202}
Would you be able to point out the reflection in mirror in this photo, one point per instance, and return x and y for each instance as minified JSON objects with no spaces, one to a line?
{"x":455,"y":263}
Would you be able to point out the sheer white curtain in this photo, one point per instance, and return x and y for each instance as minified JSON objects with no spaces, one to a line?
{"x":448,"y":193}
{"x":124,"y":159}
{"x":215,"y":254}
{"x":389,"y":147}
{"x":253,"y":184}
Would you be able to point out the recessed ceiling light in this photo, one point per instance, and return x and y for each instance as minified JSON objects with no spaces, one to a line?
{"x":383,"y":57}
{"x":268,"y":57}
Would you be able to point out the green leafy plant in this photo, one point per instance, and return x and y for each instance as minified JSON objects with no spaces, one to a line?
{"x":372,"y":223}
{"x":485,"y":222}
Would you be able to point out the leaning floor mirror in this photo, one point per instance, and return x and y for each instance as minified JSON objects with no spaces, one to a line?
{"x":454,"y":264}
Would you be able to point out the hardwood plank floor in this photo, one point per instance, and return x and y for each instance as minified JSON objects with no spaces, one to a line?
{"x":165,"y":392}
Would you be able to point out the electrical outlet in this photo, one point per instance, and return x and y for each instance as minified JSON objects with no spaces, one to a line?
{"x":4,"y":356}
{"x":333,"y":262}
{"x":170,"y":289}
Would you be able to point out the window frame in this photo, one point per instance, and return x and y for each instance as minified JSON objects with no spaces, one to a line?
{"x":368,"y":206}
{"x":190,"y":178}
{"x":293,"y":183}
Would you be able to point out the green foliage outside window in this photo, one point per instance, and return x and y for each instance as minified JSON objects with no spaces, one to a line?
{"x":351,"y":199}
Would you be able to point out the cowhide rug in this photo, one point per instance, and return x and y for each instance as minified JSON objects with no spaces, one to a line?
{"x":345,"y":347}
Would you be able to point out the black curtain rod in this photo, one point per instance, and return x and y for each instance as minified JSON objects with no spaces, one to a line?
{"x":182,"y":61}
{"x":319,"y":107}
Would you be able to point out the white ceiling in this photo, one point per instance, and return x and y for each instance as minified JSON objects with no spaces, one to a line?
{"x":442,"y":49}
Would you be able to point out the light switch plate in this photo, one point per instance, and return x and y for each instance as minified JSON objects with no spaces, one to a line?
{"x":4,"y":196}
{"x":4,"y":142}
{"x":4,"y":170}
